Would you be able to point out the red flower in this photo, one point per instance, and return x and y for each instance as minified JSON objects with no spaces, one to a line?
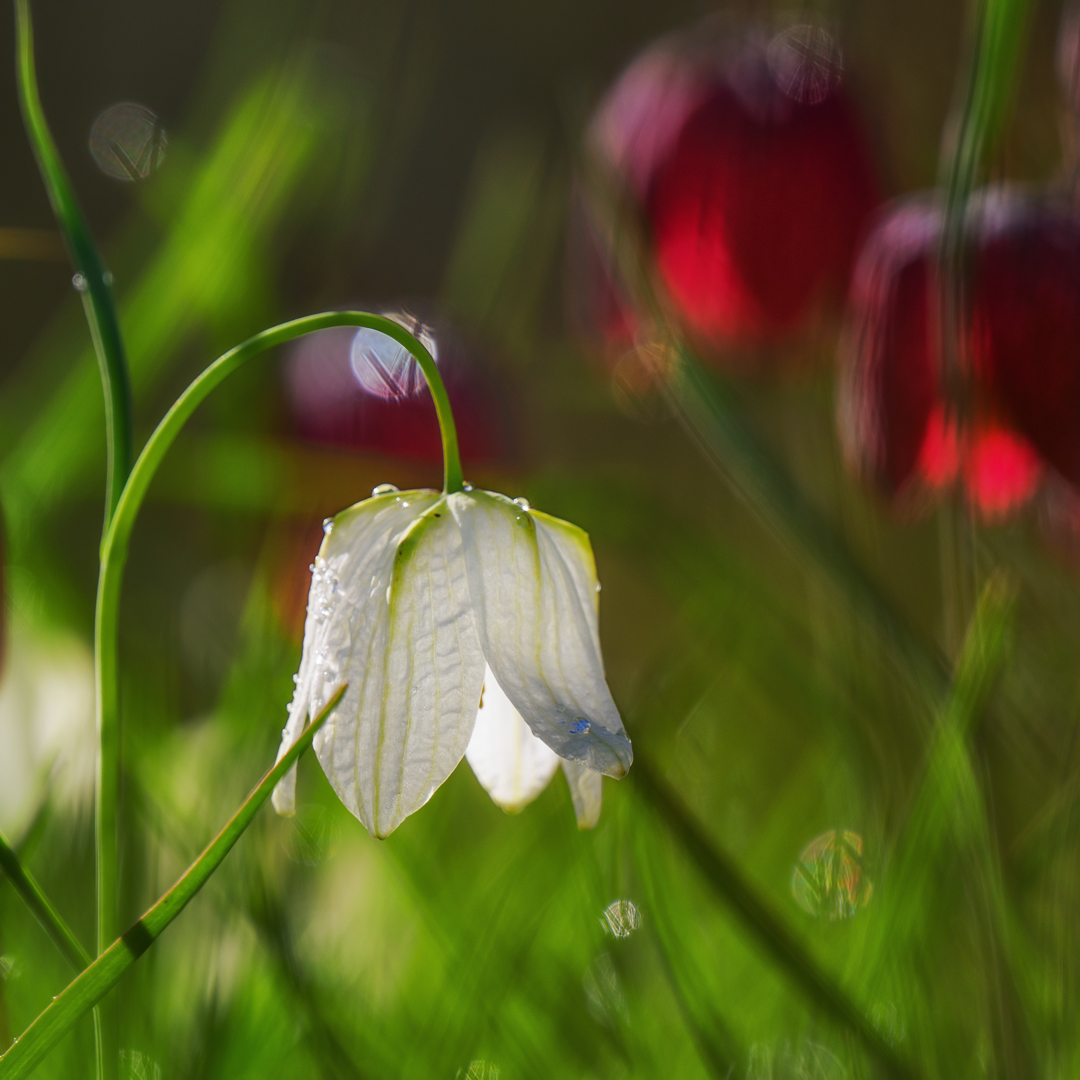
{"x":756,"y":211}
{"x":752,"y":177}
{"x":1020,"y":367}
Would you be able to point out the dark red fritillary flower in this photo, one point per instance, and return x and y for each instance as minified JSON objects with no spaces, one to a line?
{"x":756,"y":211}
{"x":751,"y":174}
{"x":1021,"y":363}
{"x":360,"y":390}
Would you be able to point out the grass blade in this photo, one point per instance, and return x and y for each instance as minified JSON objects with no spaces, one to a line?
{"x":51,"y":920}
{"x":764,"y":925}
{"x":95,"y":284}
{"x":91,"y":986}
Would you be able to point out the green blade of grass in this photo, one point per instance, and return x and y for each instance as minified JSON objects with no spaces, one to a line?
{"x":764,"y":925}
{"x":948,"y":831}
{"x":91,"y":986}
{"x":51,"y":920}
{"x":95,"y":285}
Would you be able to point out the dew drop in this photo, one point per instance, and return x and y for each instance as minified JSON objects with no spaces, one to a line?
{"x":328,"y":525}
{"x":580,"y":726}
{"x":383,"y":489}
{"x":522,"y":502}
{"x":296,"y":678}
{"x":108,"y":278}
{"x":80,"y":283}
{"x":466,"y":486}
{"x":598,"y":586}
{"x":388,"y":594}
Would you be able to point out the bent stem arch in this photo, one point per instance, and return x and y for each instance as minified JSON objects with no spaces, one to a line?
{"x":114,"y":548}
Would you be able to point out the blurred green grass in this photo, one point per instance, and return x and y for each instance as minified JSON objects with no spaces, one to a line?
{"x":469,"y":936}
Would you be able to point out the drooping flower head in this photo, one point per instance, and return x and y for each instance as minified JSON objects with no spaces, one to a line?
{"x":422,"y":601}
{"x":1020,"y":412}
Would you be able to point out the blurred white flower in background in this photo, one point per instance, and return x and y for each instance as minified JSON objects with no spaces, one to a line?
{"x":48,"y":740}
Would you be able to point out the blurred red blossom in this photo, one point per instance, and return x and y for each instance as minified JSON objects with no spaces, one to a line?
{"x":751,"y":176}
{"x":1017,"y":410}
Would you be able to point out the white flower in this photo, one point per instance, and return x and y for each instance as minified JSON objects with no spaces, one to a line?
{"x":514,"y":766}
{"x":48,"y":744}
{"x":414,"y":596}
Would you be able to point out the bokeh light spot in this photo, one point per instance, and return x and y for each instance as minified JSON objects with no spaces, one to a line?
{"x":621,"y":918}
{"x":386,"y":369}
{"x":828,"y":880}
{"x":128,"y":142}
{"x":806,"y":62}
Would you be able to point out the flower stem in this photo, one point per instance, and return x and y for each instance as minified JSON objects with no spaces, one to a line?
{"x":87,"y":989}
{"x":51,"y":920}
{"x":114,"y":548}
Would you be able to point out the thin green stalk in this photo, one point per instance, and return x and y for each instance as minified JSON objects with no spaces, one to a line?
{"x":92,"y":279}
{"x":764,"y":925}
{"x":51,"y":920}
{"x":115,"y":546}
{"x":91,"y":986}
{"x":94,"y":284}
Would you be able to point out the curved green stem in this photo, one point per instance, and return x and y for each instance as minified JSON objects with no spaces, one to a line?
{"x":85,"y":991}
{"x":92,"y":279}
{"x":115,"y":546}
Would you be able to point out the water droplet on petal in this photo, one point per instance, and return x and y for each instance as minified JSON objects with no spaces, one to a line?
{"x":384,"y":489}
{"x":598,"y":586}
{"x":328,"y":525}
{"x":522,"y":502}
{"x":388,"y":594}
{"x":621,"y":918}
{"x":296,"y":678}
{"x":828,"y":880}
{"x":108,"y":278}
{"x":466,"y":486}
{"x":80,"y":283}
{"x":580,"y":726}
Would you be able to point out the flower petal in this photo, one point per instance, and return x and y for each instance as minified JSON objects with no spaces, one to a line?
{"x":390,"y":615}
{"x":532,"y":580}
{"x":585,"y":792}
{"x":511,"y":763}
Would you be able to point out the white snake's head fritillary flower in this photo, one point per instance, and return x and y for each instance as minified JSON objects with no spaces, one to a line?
{"x":514,"y":766}
{"x":415,"y":595}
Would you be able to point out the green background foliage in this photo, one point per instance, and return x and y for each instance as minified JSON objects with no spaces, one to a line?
{"x":321,"y":155}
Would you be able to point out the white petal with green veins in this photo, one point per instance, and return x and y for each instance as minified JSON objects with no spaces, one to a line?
{"x":511,"y":763}
{"x":532,"y":581}
{"x":402,"y":636}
